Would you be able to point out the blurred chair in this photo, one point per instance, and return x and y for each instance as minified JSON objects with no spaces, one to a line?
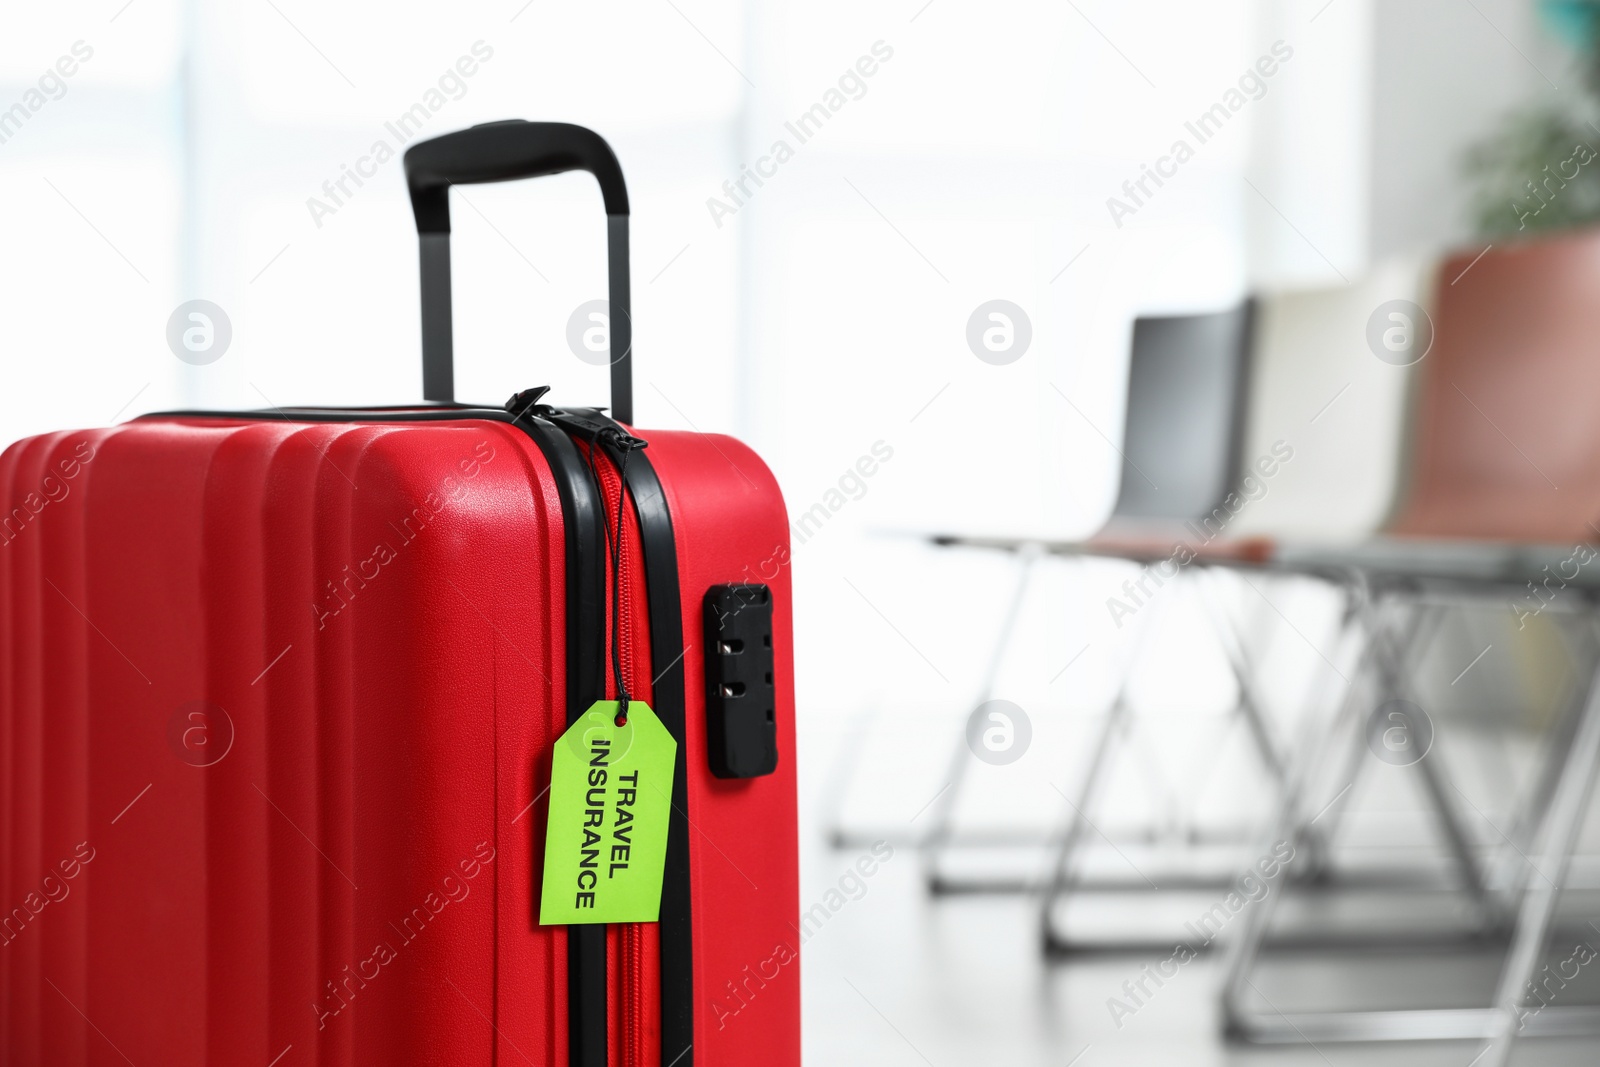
{"x":1503,"y":478}
{"x":1319,"y":388}
{"x":1317,"y":393}
{"x":1316,"y":386}
{"x":1183,"y":433}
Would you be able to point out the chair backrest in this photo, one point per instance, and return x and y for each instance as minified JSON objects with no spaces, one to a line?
{"x":1181,"y":437}
{"x":1506,"y":441}
{"x":1320,"y":393}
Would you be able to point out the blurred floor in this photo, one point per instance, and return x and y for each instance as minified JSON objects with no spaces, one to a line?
{"x":895,"y":978}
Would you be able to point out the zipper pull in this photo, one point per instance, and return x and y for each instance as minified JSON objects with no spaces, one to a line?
{"x":619,"y":442}
{"x":602,"y":435}
{"x":585,"y":424}
{"x":588,"y":424}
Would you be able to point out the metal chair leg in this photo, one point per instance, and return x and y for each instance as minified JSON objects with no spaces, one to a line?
{"x":1322,"y":731}
{"x":1063,"y":869}
{"x":1063,"y":878}
{"x":1499,"y":1024}
{"x":1565,"y":820}
{"x":1068,"y":842}
{"x":1250,"y":705}
{"x":943,"y":808}
{"x":1415,"y":641}
{"x":1395,"y":651}
{"x":1512,"y":869}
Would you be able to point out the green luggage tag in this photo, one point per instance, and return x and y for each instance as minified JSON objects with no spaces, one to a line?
{"x":610,"y":800}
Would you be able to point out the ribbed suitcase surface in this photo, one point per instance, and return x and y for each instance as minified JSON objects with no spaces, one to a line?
{"x":278,"y":705}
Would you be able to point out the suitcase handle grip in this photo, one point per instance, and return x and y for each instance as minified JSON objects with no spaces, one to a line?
{"x":506,"y":151}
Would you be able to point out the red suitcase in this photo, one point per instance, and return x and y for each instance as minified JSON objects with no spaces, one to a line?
{"x":278,"y":696}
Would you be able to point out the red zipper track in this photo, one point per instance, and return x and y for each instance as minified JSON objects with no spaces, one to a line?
{"x":632,"y":937}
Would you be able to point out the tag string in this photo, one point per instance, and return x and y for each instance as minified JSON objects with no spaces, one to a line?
{"x":614,"y":535}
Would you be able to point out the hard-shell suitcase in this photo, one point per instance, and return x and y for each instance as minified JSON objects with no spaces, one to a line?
{"x":278,"y":698}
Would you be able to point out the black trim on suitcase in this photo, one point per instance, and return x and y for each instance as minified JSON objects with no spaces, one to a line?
{"x":658,"y":545}
{"x":667,"y":654}
{"x":588,"y":1029}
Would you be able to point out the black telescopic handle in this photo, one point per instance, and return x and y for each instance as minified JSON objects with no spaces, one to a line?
{"x":498,"y":152}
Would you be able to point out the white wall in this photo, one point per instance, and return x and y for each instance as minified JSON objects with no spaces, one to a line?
{"x":1308,"y":213}
{"x":1444,"y":74}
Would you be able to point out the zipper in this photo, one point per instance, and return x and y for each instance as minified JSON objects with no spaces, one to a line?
{"x":601,"y":436}
{"x":633,"y":1004}
{"x":630,"y":935}
{"x":622,"y":582}
{"x":582,"y":430}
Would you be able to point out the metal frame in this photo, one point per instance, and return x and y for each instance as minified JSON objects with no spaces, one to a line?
{"x":1063,"y":880}
{"x":1248,"y":706}
{"x":1069,"y":841}
{"x":1555,"y":816}
{"x":1384,"y":650}
{"x":1028,"y":555}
